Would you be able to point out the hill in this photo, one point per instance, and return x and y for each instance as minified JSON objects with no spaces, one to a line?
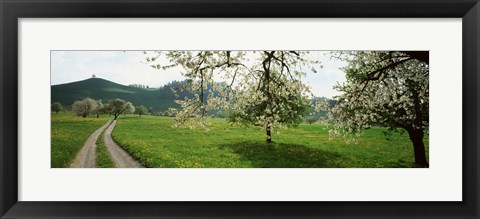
{"x":155,"y":99}
{"x":101,"y":89}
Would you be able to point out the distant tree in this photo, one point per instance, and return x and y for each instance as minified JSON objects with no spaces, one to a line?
{"x":94,"y":76}
{"x":130,"y":108}
{"x":100,"y":109}
{"x":311,"y":119}
{"x":56,"y":107}
{"x":84,"y":107}
{"x":118,"y":106}
{"x":138,"y":85}
{"x":141,"y":110}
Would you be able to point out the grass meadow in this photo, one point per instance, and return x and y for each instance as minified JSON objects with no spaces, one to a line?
{"x":153,"y":142}
{"x":68,"y":134}
{"x":102,"y":159}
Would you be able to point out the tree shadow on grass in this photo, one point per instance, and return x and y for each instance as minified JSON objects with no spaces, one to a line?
{"x":278,"y":155}
{"x":400,"y":163}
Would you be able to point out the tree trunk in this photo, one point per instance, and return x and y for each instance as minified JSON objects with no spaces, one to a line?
{"x":116,"y":115}
{"x":98,"y":116}
{"x":416,"y":136}
{"x":269,"y":134}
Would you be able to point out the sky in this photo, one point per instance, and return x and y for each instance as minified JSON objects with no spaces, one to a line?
{"x":129,"y":67}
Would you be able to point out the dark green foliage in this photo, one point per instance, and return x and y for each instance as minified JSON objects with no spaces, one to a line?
{"x":118,"y":106}
{"x":156,"y":100}
{"x":311,"y":119}
{"x":138,"y":85}
{"x":141,"y":110}
{"x":57,"y":107}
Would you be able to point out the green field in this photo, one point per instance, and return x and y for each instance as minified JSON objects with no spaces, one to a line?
{"x":68,"y":134}
{"x":153,"y":142}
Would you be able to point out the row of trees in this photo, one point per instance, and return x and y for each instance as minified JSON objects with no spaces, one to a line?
{"x":114,"y":107}
{"x":139,"y":85}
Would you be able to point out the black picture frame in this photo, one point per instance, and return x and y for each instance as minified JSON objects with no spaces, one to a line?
{"x":12,"y":10}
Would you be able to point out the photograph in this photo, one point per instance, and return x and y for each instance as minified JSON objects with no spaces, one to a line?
{"x":239,"y":109}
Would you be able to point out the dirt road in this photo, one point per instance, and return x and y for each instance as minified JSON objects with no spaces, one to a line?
{"x":86,"y":156}
{"x":120,"y":157}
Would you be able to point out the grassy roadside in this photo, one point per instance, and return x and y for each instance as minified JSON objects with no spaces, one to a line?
{"x":154,"y":143}
{"x":102,"y":157}
{"x":68,"y":134}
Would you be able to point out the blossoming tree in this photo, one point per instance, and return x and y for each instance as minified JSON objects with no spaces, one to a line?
{"x":384,"y":88}
{"x":116,"y":107}
{"x":261,"y":88}
{"x":84,"y":107}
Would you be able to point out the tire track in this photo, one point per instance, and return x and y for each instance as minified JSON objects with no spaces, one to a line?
{"x":86,"y":156}
{"x":119,"y":156}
